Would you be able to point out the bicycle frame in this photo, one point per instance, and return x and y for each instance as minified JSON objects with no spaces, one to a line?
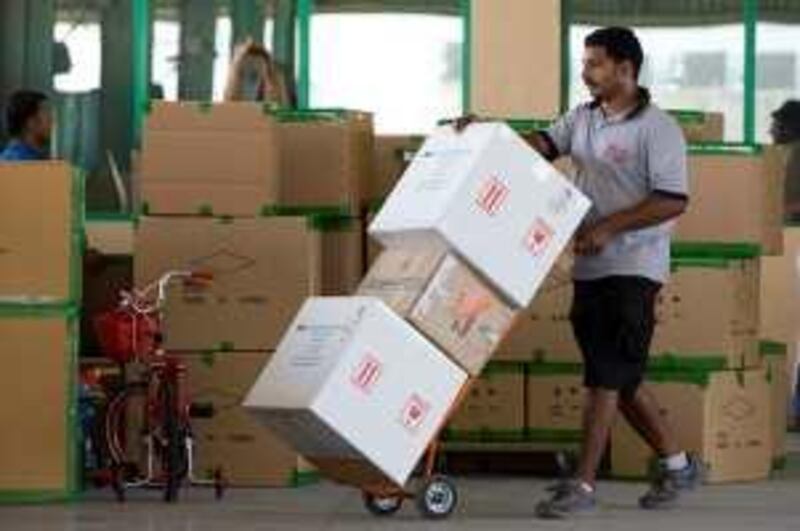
{"x":161,"y":371}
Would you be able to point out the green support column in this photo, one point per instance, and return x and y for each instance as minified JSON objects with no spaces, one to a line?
{"x":283,"y":41}
{"x":142,"y":19}
{"x":196,"y":70}
{"x":247,"y":18}
{"x":305,"y":9}
{"x":750,"y":52}
{"x":465,"y":7}
{"x":116,"y":109}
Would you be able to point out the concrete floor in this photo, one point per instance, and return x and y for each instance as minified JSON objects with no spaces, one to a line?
{"x":486,"y":504}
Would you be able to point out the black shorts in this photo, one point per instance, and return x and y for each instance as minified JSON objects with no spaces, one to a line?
{"x":613,"y":320}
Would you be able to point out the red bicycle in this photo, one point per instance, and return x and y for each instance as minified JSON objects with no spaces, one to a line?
{"x":153,"y":391}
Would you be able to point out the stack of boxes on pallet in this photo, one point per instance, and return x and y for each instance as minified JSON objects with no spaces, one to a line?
{"x":41,"y":219}
{"x":268,"y":203}
{"x":360,"y":385}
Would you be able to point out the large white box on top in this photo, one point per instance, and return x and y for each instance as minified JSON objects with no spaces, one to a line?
{"x":352,"y":380}
{"x":491,"y":198}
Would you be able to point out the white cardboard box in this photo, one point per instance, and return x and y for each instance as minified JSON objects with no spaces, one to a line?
{"x":492,"y":199}
{"x":352,"y":380}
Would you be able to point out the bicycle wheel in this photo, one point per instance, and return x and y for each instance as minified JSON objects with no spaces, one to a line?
{"x":122,"y":425}
{"x":174,"y":458}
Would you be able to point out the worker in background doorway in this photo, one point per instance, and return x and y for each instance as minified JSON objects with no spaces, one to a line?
{"x":631,"y":162}
{"x":785,"y":130}
{"x":254,"y":76}
{"x":29,"y":122}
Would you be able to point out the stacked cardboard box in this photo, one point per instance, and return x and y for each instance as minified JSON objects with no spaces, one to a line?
{"x":748,"y":181}
{"x":700,"y":127}
{"x":241,"y":159}
{"x":780,"y":292}
{"x":267,"y":202}
{"x":227,"y":437}
{"x":41,"y":218}
{"x":723,"y":416}
{"x":555,"y":402}
{"x":716,"y":285}
{"x":465,"y":249}
{"x":774,"y":356}
{"x":494,"y":410}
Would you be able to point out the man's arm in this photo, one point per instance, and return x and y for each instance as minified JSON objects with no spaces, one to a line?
{"x":658,"y":208}
{"x":542,"y":144}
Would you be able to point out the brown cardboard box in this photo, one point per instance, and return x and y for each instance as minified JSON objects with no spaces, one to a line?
{"x":555,"y":399}
{"x":505,"y":80}
{"x":391,"y":159}
{"x":38,"y":221}
{"x":710,"y":309}
{"x":222,"y":158}
{"x":263,"y":268}
{"x":326,"y":158}
{"x":749,"y":183}
{"x":722,"y":416}
{"x":110,"y":237}
{"x":399,"y":275}
{"x":372,"y":247}
{"x":35,"y":446}
{"x":462,"y":315}
{"x":775,"y":363}
{"x":444,"y":299}
{"x":780,"y":291}
{"x":495,"y":403}
{"x":700,"y":126}
{"x":543,"y":331}
{"x":230,"y":440}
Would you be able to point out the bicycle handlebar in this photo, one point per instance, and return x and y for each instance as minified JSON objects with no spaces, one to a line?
{"x":140,"y":300}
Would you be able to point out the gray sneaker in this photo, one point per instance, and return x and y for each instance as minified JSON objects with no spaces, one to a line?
{"x":668,"y":485}
{"x":567,"y":499}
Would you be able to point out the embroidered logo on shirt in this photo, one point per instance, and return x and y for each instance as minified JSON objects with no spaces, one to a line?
{"x":616,"y":154}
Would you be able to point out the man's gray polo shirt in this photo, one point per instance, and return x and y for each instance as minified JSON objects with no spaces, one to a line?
{"x":620,"y":161}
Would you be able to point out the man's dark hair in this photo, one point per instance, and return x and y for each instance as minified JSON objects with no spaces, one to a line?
{"x":22,"y":106}
{"x":621,"y":44}
{"x":788,"y":117}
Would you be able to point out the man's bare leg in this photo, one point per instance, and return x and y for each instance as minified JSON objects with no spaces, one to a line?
{"x":643,"y":414}
{"x":598,"y":418}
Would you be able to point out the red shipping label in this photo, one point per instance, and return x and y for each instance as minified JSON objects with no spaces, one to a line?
{"x":492,"y":195}
{"x":367,"y":374}
{"x":414,"y":413}
{"x":539,"y":237}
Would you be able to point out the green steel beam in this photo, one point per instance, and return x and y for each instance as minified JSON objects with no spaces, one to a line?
{"x":116,"y":107}
{"x":196,"y":69}
{"x":283,"y":42}
{"x":466,"y":56}
{"x":566,"y":53}
{"x":141,"y":16}
{"x":750,"y":50}
{"x":247,"y":17}
{"x":305,"y":9}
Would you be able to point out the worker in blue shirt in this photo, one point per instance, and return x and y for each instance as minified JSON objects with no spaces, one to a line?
{"x":29,"y":123}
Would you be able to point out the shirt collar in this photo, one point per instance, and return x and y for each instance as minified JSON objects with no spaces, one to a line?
{"x":643,"y":100}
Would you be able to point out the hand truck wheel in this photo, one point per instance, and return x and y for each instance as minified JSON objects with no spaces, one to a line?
{"x":437,"y":499}
{"x":382,"y":506}
{"x":219,"y":484}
